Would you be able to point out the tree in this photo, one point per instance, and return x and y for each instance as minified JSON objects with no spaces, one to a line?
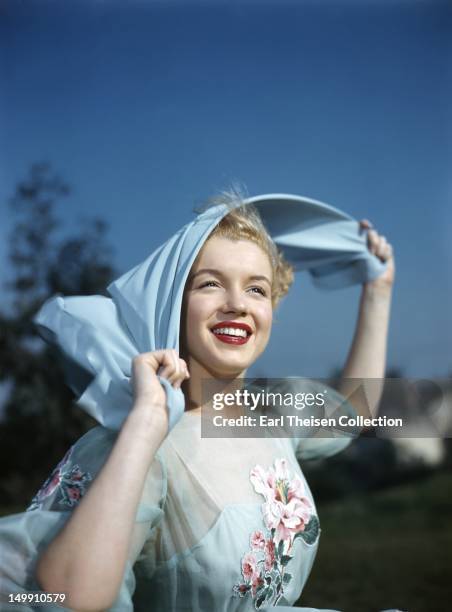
{"x":40,"y":420}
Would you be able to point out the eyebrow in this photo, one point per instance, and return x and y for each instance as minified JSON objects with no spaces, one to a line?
{"x":218,"y":273}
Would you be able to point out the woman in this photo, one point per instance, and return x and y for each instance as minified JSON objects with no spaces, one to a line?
{"x":212,"y":523}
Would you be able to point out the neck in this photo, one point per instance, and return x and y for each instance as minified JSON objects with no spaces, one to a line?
{"x":202,"y":384}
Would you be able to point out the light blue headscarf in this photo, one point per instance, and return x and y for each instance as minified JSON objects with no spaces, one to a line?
{"x":99,"y":336}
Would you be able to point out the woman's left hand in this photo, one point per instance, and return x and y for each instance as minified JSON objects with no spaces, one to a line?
{"x":381,"y":248}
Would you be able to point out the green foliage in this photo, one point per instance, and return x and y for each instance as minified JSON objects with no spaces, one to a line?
{"x":386,"y":549}
{"x":40,"y":420}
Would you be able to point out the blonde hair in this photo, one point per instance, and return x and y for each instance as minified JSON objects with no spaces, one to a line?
{"x":244,"y":222}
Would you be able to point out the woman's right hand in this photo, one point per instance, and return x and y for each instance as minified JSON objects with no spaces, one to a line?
{"x":148,"y":393}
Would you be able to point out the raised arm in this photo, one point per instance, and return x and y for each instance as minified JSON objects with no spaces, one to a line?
{"x":367,"y":355}
{"x":87,"y":559}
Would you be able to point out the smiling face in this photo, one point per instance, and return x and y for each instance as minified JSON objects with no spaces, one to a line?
{"x":229,"y":290}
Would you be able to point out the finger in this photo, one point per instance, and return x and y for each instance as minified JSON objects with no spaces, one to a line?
{"x":385,"y":250}
{"x":364,"y":226}
{"x":183,"y":374}
{"x":159,"y":359}
{"x":388,"y":252}
{"x":372,"y":241}
{"x":176,"y":362}
{"x":381,"y":247}
{"x":166,"y":372}
{"x":168,"y":367}
{"x":365,"y":223}
{"x":171,"y":376}
{"x":178,"y":374}
{"x":381,"y":253}
{"x":178,"y":382}
{"x":184,"y":368}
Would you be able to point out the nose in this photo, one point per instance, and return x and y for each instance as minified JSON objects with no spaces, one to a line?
{"x":235,"y":302}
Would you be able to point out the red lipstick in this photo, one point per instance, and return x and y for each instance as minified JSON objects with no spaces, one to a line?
{"x":229,"y":337}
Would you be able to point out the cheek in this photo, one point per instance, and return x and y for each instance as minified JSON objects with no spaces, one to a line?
{"x":191,"y":323}
{"x":265,"y":316}
{"x":197,"y":313}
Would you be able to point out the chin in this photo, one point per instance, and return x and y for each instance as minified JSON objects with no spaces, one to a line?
{"x":227,"y":370}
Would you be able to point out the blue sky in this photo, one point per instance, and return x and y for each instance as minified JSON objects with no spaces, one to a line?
{"x":148,"y":108}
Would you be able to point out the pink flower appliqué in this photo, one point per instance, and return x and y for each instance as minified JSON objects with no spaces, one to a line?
{"x":257,"y":540}
{"x":269,"y":554}
{"x":249,"y":566}
{"x":287,"y":514}
{"x":287,"y":508}
{"x":70,"y":482}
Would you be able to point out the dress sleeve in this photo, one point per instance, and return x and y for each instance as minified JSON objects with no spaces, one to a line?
{"x":313,"y":442}
{"x":24,"y":536}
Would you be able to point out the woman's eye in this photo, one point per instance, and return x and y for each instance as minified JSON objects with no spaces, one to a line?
{"x":212,"y":283}
{"x":259,"y":290}
{"x":208,"y":284}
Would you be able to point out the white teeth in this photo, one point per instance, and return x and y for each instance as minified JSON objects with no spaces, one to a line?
{"x":231,"y":331}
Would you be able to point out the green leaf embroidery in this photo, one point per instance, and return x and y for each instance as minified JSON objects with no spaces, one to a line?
{"x":260,"y":600}
{"x":270,"y":594}
{"x":287,"y":578}
{"x":285,"y":560}
{"x":311,"y":532}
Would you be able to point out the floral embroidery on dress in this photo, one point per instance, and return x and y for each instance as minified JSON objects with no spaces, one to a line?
{"x":287,"y":514}
{"x":71,"y":483}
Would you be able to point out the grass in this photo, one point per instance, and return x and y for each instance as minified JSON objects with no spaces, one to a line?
{"x":389,"y":549}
